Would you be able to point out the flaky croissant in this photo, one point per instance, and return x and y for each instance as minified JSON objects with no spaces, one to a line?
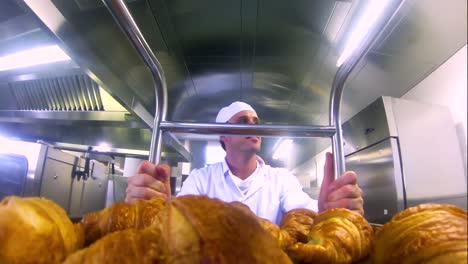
{"x":121,"y":216}
{"x":36,"y":230}
{"x":298,"y":223}
{"x":337,"y":236}
{"x":197,"y":229}
{"x":281,"y":236}
{"x":127,"y":246}
{"x":428,"y":233}
{"x":189,"y":229}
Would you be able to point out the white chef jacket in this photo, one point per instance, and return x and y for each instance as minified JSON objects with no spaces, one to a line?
{"x":273,"y":192}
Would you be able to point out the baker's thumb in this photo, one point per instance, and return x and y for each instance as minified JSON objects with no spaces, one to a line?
{"x":328,"y":178}
{"x":328,"y":171}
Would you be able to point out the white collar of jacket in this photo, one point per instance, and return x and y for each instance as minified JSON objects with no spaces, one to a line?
{"x":261,"y":163}
{"x":254,"y":187}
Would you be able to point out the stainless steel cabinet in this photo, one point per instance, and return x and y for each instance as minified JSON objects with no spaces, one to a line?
{"x":405,"y":153}
{"x":383,"y":195}
{"x":56,"y":182}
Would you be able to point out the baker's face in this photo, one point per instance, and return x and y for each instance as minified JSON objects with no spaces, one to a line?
{"x":240,"y":143}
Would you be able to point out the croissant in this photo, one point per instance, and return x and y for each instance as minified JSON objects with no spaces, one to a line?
{"x":127,"y":246}
{"x":427,"y":233}
{"x":337,"y":236}
{"x":189,"y":229}
{"x":36,"y":230}
{"x":120,"y":216}
{"x":297,"y":223}
{"x":281,"y":236}
{"x":197,"y":229}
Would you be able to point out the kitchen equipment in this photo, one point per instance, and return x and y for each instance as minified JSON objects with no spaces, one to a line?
{"x":13,"y":173}
{"x":52,"y":173}
{"x":405,"y":153}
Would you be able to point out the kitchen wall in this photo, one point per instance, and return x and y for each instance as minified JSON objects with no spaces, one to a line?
{"x":447,"y":86}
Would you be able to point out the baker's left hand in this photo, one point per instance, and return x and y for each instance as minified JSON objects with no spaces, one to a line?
{"x":343,"y":192}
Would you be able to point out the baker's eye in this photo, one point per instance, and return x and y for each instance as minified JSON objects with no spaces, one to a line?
{"x":247,"y":120}
{"x":242,"y":120}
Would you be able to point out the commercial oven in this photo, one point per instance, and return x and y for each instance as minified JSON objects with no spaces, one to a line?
{"x":56,"y":175}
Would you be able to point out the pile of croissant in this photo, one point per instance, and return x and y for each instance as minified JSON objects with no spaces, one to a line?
{"x":197,"y":229}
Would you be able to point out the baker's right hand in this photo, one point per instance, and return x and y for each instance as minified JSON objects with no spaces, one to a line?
{"x":150,"y":181}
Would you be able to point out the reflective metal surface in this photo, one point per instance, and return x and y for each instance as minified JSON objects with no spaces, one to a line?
{"x":380,"y":178}
{"x":93,"y":192}
{"x":84,"y":133}
{"x":88,"y":58}
{"x":56,"y":182}
{"x":102,"y":118}
{"x":369,"y":126}
{"x":342,"y":76}
{"x":13,"y":173}
{"x":167,"y":156}
{"x":125,"y":20}
{"x":123,"y":17}
{"x":68,"y":93}
{"x":411,"y":150}
{"x":278,"y":56}
{"x":423,"y":35}
{"x":259,"y":130}
{"x":267,"y":68}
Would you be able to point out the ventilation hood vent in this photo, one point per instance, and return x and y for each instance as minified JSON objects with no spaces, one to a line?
{"x":65,"y":93}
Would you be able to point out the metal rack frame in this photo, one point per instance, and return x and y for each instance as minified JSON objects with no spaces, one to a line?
{"x":124,"y":19}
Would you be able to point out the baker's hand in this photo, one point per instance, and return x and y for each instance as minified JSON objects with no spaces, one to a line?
{"x":150,"y":181}
{"x":343,"y":192}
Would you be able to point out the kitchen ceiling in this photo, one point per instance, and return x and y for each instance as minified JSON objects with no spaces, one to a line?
{"x":278,"y":56}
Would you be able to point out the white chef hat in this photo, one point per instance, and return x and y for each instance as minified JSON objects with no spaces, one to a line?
{"x":229,"y":111}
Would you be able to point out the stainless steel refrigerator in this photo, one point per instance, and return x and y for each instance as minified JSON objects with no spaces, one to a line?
{"x":405,"y":153}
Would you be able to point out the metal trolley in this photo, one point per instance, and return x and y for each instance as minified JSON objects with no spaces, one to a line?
{"x":123,"y":17}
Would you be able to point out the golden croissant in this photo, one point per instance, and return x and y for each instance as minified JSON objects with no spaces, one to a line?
{"x":337,"y":236}
{"x":267,"y":225}
{"x":121,"y":216}
{"x":297,"y":223}
{"x":295,"y":227}
{"x":428,"y":233}
{"x":197,"y":229}
{"x":127,"y":246}
{"x":36,"y":230}
{"x":281,"y":236}
{"x":189,"y":229}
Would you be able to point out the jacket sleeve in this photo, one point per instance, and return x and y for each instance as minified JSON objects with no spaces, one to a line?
{"x":191,"y":184}
{"x":292,"y":196}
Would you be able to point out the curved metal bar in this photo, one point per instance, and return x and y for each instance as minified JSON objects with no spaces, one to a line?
{"x":248,"y":130}
{"x":340,"y":80}
{"x":124,"y":19}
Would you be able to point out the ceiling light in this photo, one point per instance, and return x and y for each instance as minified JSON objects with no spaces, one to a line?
{"x":36,"y":56}
{"x":373,"y":11}
{"x":102,"y":147}
{"x":283,"y":149}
